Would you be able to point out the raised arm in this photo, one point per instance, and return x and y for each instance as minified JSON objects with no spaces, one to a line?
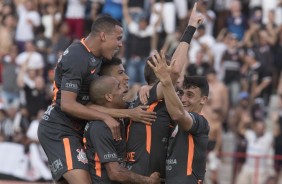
{"x":125,"y":11}
{"x":181,"y":53}
{"x":173,"y":104}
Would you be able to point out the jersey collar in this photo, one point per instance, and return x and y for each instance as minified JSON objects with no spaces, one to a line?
{"x":82,"y":41}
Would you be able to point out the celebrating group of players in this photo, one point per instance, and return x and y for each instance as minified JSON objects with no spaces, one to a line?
{"x":91,"y":135}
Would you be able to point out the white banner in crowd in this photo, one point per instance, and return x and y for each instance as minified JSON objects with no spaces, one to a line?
{"x":29,"y":166}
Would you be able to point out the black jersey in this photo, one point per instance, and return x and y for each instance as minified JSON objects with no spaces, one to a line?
{"x":101,"y":148}
{"x":75,"y":70}
{"x":186,"y":158}
{"x":147,"y":144}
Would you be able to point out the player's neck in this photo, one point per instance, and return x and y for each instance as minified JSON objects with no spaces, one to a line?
{"x":93,"y":46}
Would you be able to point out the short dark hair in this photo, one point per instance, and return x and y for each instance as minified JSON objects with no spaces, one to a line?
{"x":104,"y":23}
{"x":98,"y":88}
{"x":149,"y":74}
{"x":197,"y":81}
{"x":107,"y":64}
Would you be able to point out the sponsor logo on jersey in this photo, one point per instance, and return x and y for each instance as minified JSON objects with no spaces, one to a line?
{"x":110,"y":156}
{"x":71,"y":85}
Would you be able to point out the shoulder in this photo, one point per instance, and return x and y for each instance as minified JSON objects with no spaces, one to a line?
{"x":200,"y":124}
{"x":75,"y":54}
{"x":96,"y":126}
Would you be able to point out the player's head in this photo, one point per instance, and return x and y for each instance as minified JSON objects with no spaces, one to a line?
{"x":109,"y":31}
{"x":107,"y":91}
{"x":195,"y":93}
{"x":149,"y":74}
{"x":115,"y":69}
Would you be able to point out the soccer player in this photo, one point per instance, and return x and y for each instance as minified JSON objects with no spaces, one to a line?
{"x":61,"y":129}
{"x":147,"y":145}
{"x":105,"y":154}
{"x":186,"y":155}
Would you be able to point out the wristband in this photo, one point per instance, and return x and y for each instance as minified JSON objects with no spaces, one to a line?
{"x":188,"y":34}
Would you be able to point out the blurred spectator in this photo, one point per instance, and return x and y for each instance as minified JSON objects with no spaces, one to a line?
{"x":236,"y":22}
{"x":204,"y":42}
{"x":181,"y":7}
{"x":215,"y":112}
{"x":33,"y":89}
{"x":7,"y":31}
{"x":258,"y":77}
{"x":208,"y":14}
{"x":200,"y":67}
{"x":276,"y":117}
{"x":50,"y":19}
{"x":75,"y":18}
{"x":259,"y":144}
{"x":221,"y":8}
{"x":43,"y":46}
{"x":141,"y":34}
{"x":267,"y":5}
{"x":33,"y":59}
{"x":10,"y":93}
{"x":29,"y":19}
{"x":167,"y":21}
{"x":232,"y":65}
{"x":171,"y":43}
{"x":218,"y":96}
{"x":6,"y":125}
{"x":277,"y":59}
{"x":19,"y":125}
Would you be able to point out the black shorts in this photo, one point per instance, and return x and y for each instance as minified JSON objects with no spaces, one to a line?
{"x":65,"y":151}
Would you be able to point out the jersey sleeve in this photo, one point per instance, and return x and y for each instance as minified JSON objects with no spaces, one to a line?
{"x":103,"y":142}
{"x":73,"y":71}
{"x":200,"y":124}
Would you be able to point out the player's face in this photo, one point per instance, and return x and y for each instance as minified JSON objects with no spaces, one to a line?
{"x":192,"y":100}
{"x":118,"y":94}
{"x":113,"y":42}
{"x":118,"y":72}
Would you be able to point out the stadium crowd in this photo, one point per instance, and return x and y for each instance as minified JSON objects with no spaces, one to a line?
{"x":238,"y":48}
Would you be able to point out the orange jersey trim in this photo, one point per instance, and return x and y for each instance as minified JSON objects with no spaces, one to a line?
{"x":190,"y":154}
{"x":149,"y":129}
{"x":97,"y":165}
{"x":128,"y":130}
{"x":66,"y":142}
{"x":82,"y":41}
{"x":55,"y":91}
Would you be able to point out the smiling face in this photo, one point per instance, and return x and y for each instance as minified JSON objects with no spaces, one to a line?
{"x":112,"y":42}
{"x":192,"y":99}
{"x":118,"y":72}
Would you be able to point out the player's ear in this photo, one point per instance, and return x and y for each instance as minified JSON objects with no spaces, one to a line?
{"x":102,"y":36}
{"x":108,"y":97}
{"x":204,"y":100}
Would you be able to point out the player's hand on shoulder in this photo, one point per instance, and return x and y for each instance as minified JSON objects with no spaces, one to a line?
{"x":144,"y":93}
{"x":155,"y":178}
{"x":114,"y":126}
{"x":140,"y":114}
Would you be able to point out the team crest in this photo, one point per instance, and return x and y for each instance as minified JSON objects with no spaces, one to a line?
{"x":81,"y":156}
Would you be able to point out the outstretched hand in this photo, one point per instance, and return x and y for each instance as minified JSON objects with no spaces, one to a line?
{"x":160,"y":67}
{"x":196,"y":18}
